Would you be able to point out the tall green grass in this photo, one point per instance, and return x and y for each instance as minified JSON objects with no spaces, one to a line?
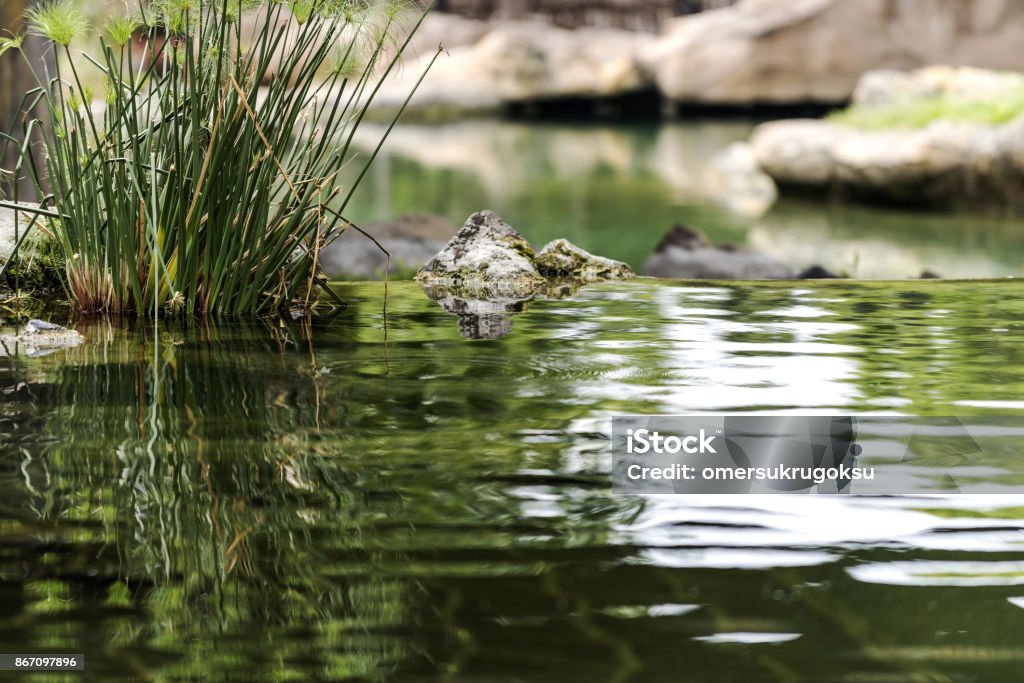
{"x":211,"y":176}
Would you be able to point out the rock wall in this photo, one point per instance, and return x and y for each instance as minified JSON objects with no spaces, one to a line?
{"x":755,"y":52}
{"x":767,"y":51}
{"x":515,"y":62}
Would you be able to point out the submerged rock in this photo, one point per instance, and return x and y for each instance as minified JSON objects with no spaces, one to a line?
{"x":563,"y":259}
{"x":487,"y":258}
{"x":685,"y":253}
{"x":39,"y":338}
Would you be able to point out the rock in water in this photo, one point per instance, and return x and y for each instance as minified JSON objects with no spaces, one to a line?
{"x":817,"y":272}
{"x":410,"y":240}
{"x":39,"y":338}
{"x":563,"y":259}
{"x":486,"y":258}
{"x":35,"y":325}
{"x":684,"y":253}
{"x":488,"y":272}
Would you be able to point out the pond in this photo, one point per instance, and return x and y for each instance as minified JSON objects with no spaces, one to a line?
{"x":615,"y":190}
{"x":379,"y":498}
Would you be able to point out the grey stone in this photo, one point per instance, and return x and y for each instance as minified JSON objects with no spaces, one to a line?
{"x":41,"y":326}
{"x":796,"y":152}
{"x":516,"y":62}
{"x":563,"y":259}
{"x":797,"y":51}
{"x":487,"y":258}
{"x":8,"y":227}
{"x":886,"y":87}
{"x":488,"y":273}
{"x":39,"y":338}
{"x":943,"y":164}
{"x":410,"y":240}
{"x":685,"y":254}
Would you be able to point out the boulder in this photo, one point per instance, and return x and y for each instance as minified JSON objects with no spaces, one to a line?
{"x":410,"y":240}
{"x":799,"y":51}
{"x":39,"y":338}
{"x":563,"y":259}
{"x":886,"y":87}
{"x":518,"y":62}
{"x":8,"y":227}
{"x":40,"y":264}
{"x":944,"y":164}
{"x":817,"y":272}
{"x":685,"y":254}
{"x":485,"y":259}
{"x":796,"y":152}
{"x":488,"y":272}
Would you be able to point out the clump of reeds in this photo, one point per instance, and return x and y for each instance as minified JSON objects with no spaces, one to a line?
{"x":209,"y":179}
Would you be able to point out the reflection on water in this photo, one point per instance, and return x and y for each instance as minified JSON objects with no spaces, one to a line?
{"x":479,"y":318}
{"x":615,"y":190}
{"x":310,"y":502}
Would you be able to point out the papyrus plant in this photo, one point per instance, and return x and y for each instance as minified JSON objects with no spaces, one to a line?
{"x":207,"y":174}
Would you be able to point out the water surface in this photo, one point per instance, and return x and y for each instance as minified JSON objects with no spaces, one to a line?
{"x":349,"y":500}
{"x":615,"y":190}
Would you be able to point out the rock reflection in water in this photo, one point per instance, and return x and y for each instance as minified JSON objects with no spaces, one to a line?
{"x":333,"y":503}
{"x":614,"y":190}
{"x":491,"y":318}
{"x":479,"y":318}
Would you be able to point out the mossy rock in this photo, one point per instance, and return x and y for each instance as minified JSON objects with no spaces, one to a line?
{"x":563,"y":259}
{"x":486,"y":258}
{"x":39,"y":266}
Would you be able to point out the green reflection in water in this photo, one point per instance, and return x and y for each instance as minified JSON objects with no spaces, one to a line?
{"x":616,"y":190}
{"x":303,"y":502}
